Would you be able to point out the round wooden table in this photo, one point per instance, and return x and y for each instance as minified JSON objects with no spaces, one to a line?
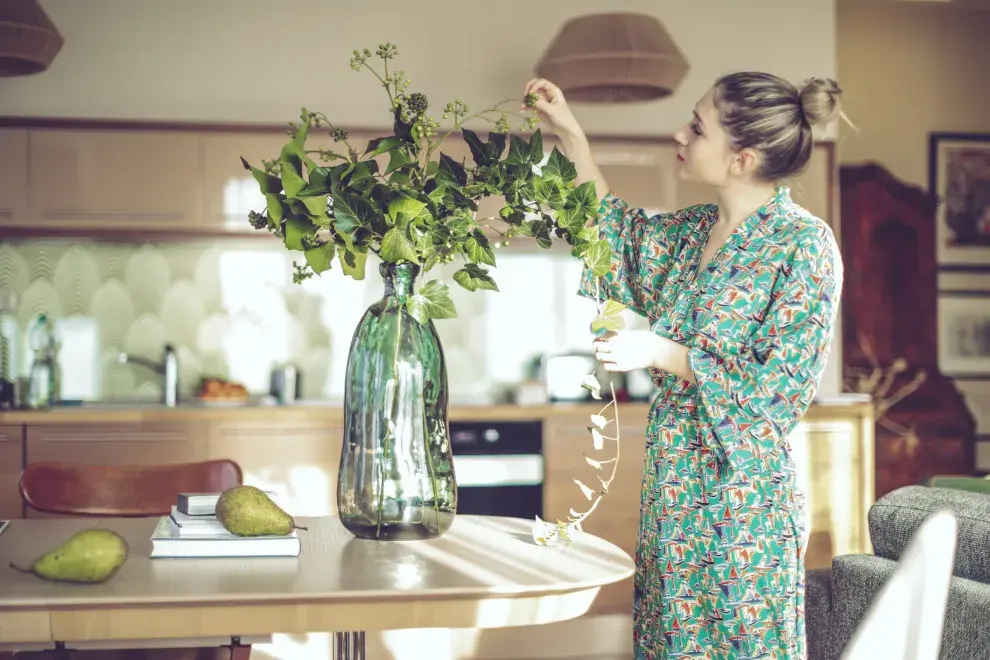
{"x":486,"y":572}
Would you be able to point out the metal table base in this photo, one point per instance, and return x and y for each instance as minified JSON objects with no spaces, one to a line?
{"x":348,"y":645}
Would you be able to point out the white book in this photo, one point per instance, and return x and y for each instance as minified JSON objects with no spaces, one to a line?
{"x":203,"y":504}
{"x":166,"y":543}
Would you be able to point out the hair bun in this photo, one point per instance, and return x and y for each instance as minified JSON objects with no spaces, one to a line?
{"x":819,"y":100}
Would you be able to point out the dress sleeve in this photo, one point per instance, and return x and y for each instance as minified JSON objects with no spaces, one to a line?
{"x":643,"y":249}
{"x":748,"y":402}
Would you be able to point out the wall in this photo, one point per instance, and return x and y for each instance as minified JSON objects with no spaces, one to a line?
{"x":907,"y":69}
{"x":233,"y":61}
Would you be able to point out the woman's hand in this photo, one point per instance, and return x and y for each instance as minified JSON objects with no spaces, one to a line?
{"x":626,"y":350}
{"x":553,"y":110}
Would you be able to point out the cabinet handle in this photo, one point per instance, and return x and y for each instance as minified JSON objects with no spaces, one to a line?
{"x":113,"y":215}
{"x":122,"y":436}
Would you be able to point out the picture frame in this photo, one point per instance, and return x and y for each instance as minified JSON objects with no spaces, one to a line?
{"x":959,"y":178}
{"x":964,"y":334}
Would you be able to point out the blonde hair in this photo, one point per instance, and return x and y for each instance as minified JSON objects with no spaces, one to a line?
{"x":769,"y":114}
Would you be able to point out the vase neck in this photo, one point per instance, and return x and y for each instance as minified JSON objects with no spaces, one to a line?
{"x":400,"y":279}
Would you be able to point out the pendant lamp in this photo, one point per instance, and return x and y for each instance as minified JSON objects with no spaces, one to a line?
{"x":29,"y":41}
{"x":615,"y":57}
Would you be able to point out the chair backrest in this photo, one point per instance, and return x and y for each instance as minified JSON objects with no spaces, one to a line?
{"x":121,"y":491}
{"x":907,"y":617}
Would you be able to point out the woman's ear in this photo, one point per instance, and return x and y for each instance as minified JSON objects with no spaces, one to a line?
{"x":745,"y":162}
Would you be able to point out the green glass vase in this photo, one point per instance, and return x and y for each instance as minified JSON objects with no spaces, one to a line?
{"x":396,"y":475}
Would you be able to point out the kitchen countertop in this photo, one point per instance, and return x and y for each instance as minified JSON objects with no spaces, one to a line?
{"x":837,"y":407}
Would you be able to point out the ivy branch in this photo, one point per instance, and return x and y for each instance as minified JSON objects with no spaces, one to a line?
{"x":608,"y":319}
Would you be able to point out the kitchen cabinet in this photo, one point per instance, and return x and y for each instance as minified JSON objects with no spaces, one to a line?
{"x":616,"y":519}
{"x":11,"y":461}
{"x":297,"y":459}
{"x":230,"y":191}
{"x":14,"y":182}
{"x":130,"y":180}
{"x":146,"y":443}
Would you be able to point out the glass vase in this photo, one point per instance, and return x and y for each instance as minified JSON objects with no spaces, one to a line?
{"x":396,"y":476}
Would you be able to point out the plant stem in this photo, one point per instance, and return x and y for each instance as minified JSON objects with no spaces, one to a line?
{"x":433,"y":476}
{"x":390,"y":422}
{"x":460,"y":122}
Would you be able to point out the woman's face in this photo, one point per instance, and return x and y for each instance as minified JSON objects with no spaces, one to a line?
{"x":704,"y":154}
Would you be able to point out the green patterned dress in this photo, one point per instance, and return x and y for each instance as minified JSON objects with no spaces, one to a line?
{"x":719,"y":560}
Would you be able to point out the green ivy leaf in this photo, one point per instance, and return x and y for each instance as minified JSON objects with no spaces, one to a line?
{"x":292,"y":181}
{"x":432,"y":302}
{"x":267,"y":182}
{"x":397,"y":247}
{"x":295,"y":149}
{"x":609,"y":319}
{"x":598,"y":258}
{"x":473,"y":277}
{"x":518,"y":152}
{"x":405,"y":204}
{"x":274,"y":207}
{"x":383,"y":145}
{"x":351,"y":211}
{"x":536,"y":148}
{"x":479,"y":248}
{"x":296,"y":229}
{"x":484,"y":153}
{"x":450,"y":172}
{"x":584,"y":200}
{"x":317,"y":208}
{"x":353,"y":260}
{"x":402,"y":130}
{"x":362,"y":171}
{"x":398,"y":160}
{"x":559,"y":168}
{"x":320,"y":258}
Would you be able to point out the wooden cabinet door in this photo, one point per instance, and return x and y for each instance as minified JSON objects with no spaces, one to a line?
{"x":124,"y":179}
{"x":11,"y":462}
{"x":296,"y":459}
{"x":617,"y":517}
{"x":121,"y":443}
{"x":14,"y":177}
{"x":229,"y":190}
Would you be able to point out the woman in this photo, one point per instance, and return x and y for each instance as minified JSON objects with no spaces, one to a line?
{"x":742,"y":299}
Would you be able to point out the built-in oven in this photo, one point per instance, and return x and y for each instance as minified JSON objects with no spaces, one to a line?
{"x":499,"y":467}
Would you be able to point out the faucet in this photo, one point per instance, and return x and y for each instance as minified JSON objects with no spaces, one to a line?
{"x":168,"y":369}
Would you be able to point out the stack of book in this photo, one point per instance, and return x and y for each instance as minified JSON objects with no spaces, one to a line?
{"x":192,"y":530}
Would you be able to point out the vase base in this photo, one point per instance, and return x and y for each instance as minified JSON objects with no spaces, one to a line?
{"x":401,"y":530}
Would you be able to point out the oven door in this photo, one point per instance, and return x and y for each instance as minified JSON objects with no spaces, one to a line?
{"x":499,"y":468}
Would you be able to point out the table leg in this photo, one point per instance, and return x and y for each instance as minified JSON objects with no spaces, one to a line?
{"x":348,"y":645}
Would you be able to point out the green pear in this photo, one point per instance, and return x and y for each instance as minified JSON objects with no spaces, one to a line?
{"x":89,"y":556}
{"x":248,"y":511}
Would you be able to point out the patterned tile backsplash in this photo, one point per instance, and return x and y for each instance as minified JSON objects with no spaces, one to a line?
{"x":231,"y":309}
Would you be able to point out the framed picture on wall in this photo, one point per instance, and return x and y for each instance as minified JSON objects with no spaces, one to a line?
{"x":964,"y":334}
{"x":959,"y":176}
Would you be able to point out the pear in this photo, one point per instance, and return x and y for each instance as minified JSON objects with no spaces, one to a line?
{"x":248,"y":511}
{"x":88,"y":556}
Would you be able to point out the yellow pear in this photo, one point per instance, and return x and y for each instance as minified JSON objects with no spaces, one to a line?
{"x":88,"y":556}
{"x":248,"y":511}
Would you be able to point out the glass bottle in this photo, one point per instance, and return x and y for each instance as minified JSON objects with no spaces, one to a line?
{"x":396,"y":475}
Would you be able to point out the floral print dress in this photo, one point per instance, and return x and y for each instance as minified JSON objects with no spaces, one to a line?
{"x":719,"y":558}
